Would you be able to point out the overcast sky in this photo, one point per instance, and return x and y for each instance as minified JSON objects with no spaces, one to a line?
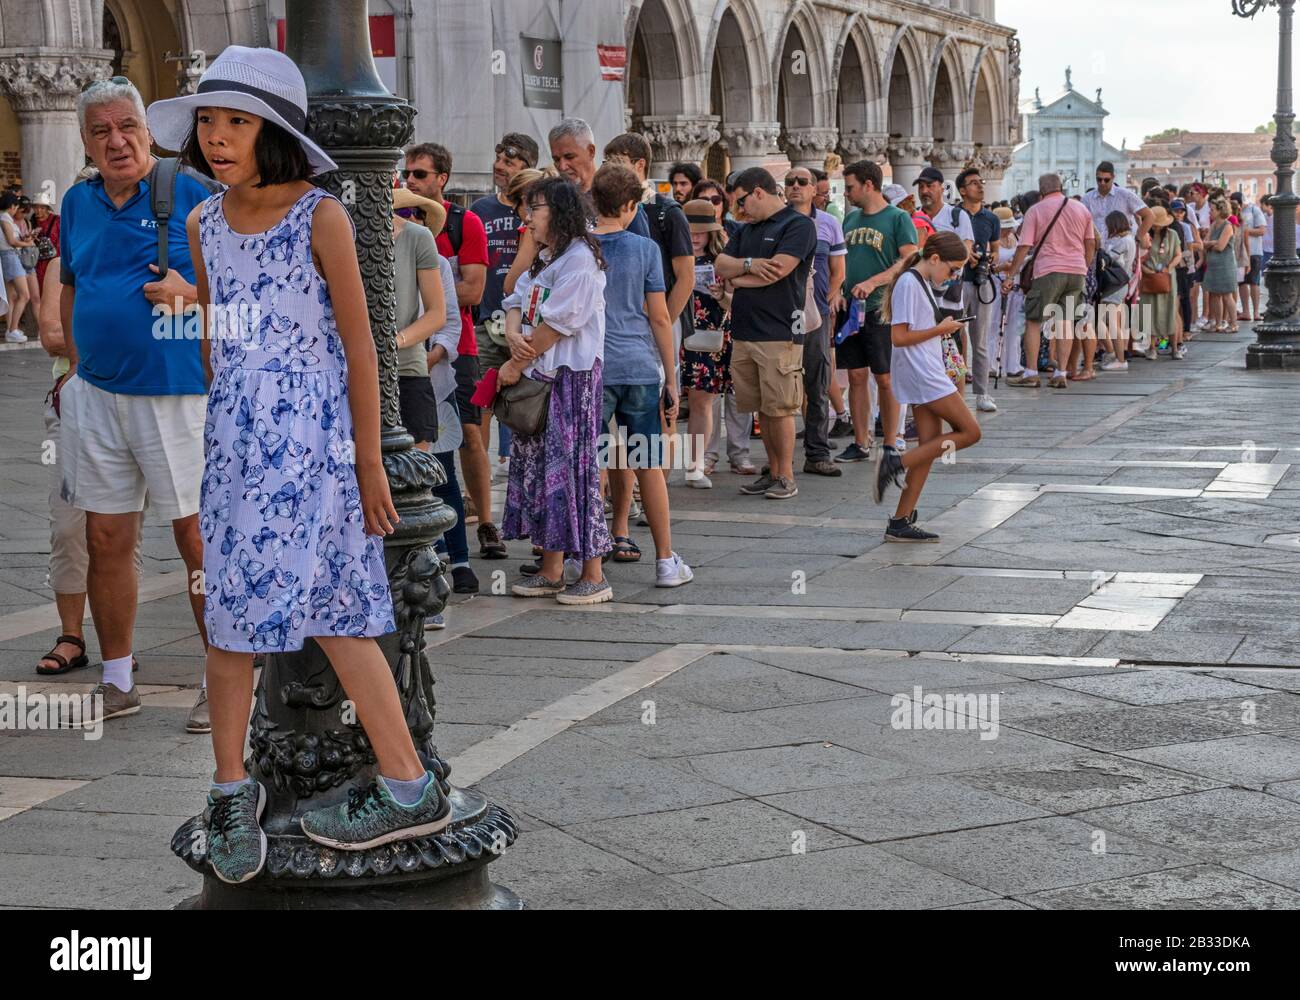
{"x":1160,"y":63}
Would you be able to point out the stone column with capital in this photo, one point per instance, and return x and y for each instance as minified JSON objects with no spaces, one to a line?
{"x":752,"y":144}
{"x":41,"y":85}
{"x":809,"y":147}
{"x":993,"y":163}
{"x":865,"y":146}
{"x":908,"y":156}
{"x":678,"y":139}
{"x":952,"y":158}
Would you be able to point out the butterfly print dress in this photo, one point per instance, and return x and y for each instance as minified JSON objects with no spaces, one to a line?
{"x":285,"y":553}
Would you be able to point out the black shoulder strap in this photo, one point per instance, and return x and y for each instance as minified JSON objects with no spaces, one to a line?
{"x":455,"y":226}
{"x":938,"y":316}
{"x":162,"y":197}
{"x":956,"y":216}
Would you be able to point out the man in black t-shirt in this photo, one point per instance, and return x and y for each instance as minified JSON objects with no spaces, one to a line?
{"x":767,"y":263}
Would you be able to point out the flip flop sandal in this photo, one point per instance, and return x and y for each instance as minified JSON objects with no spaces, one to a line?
{"x":626,"y":550}
{"x":65,"y":666}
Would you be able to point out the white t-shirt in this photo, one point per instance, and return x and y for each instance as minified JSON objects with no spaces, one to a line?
{"x":964,"y":230}
{"x":1200,"y":215}
{"x":10,"y":230}
{"x":1252,"y":217}
{"x":917,"y":373}
{"x":569,"y":296}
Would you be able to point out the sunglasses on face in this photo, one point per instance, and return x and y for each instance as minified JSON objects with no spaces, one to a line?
{"x":797,"y":182}
{"x":1104,"y":180}
{"x":716,"y":199}
{"x":512,"y":153}
{"x":419,"y":175}
{"x":740,"y":202}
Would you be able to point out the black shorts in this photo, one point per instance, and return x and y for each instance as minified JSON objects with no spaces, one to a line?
{"x":1255,"y":272}
{"x":419,"y":407}
{"x":467,"y":375}
{"x":870,"y":347}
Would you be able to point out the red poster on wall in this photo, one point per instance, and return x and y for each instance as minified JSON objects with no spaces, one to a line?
{"x":613,"y":62}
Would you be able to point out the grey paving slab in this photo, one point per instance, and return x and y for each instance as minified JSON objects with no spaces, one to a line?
{"x":1162,"y":647}
{"x":496,"y":700}
{"x":1245,"y":761}
{"x":770,"y":770}
{"x":49,"y":880}
{"x":1027,"y":641}
{"x":884,"y":675}
{"x":577,"y":627}
{"x":136,"y":794}
{"x":894,"y":635}
{"x":1194,"y":887}
{"x":1214,"y":825}
{"x":604,"y":651}
{"x":1279,"y":867}
{"x":677,"y":734}
{"x":550,"y":868}
{"x":572,"y":778}
{"x":1072,"y":784}
{"x":984,"y":593}
{"x":708,"y":836}
{"x":990,"y":904}
{"x":734,"y":683}
{"x":865,"y":878}
{"x":1274,"y":712}
{"x":903,"y":807}
{"x":1036,"y":854}
{"x":516,"y":666}
{"x":66,"y":755}
{"x":1159,"y":687}
{"x":1126,"y":728}
{"x":1256,"y":650}
{"x":89,"y":835}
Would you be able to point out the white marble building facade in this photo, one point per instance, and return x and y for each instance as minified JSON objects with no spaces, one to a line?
{"x":1064,"y":135}
{"x":731,"y":83}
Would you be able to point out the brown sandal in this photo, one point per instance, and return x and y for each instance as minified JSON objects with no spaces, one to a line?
{"x":64,"y":665}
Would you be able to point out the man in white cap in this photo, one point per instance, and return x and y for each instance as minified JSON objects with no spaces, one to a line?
{"x":133,"y":401}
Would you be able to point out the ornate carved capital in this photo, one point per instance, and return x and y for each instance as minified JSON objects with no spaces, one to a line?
{"x":910,"y":149}
{"x":864,"y":146}
{"x":680,"y":139}
{"x":805,"y":145}
{"x":755,"y":139}
{"x":992,"y":161}
{"x":40,"y":79}
{"x":953,"y":153}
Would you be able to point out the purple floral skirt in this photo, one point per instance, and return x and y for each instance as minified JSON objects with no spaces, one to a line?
{"x":553,"y":495}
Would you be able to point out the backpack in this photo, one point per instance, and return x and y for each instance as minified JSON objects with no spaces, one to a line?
{"x":1111,"y":276}
{"x":455,"y":226}
{"x":162,"y":196}
{"x":657,"y":216}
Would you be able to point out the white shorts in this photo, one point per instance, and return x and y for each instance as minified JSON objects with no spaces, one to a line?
{"x":115,"y":448}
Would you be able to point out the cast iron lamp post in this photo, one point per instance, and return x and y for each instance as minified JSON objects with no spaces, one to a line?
{"x":1277,"y":344}
{"x":306,"y":745}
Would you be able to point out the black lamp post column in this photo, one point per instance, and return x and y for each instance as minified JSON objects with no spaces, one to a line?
{"x":1277,"y":343}
{"x":306,"y":745}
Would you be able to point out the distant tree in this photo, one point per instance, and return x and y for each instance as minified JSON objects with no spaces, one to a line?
{"x":1269,"y":129}
{"x":1168,"y":133}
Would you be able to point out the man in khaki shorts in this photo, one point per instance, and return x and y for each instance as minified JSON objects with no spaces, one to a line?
{"x":1063,"y":239}
{"x":767,"y":263}
{"x":133,"y":402}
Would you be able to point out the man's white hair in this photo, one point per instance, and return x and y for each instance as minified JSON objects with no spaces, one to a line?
{"x":574,"y":128}
{"x":108,"y":92}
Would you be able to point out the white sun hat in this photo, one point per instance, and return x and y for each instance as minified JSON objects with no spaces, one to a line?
{"x":262,"y":82}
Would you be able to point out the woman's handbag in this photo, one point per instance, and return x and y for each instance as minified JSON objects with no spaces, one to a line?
{"x":1156,"y":283}
{"x":29,"y":256}
{"x":45,"y":248}
{"x":705,"y":341}
{"x":953,"y":363}
{"x":1111,"y":276}
{"x":524,"y":406}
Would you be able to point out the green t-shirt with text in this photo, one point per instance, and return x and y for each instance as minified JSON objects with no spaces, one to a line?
{"x":873,"y":242}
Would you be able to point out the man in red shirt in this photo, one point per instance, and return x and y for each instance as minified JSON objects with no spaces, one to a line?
{"x":463,"y":241}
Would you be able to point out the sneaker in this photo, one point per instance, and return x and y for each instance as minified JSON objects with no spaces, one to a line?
{"x":105,"y":701}
{"x":463,"y":580}
{"x":1115,"y":366}
{"x":782,"y":489}
{"x":583,"y":592}
{"x":1181,"y":353}
{"x":760,"y":485}
{"x":843,"y":427}
{"x":900,"y":445}
{"x":889,"y":469}
{"x":198,"y":720}
{"x":1201,"y":324}
{"x":853,"y":453}
{"x":904,"y":529}
{"x":490,"y":545}
{"x":985,"y":404}
{"x":372,"y":817}
{"x":537,"y":586}
{"x":15,"y":337}
{"x":1152,"y":353}
{"x":236,"y":841}
{"x":1025,"y":381}
{"x":672,"y":572}
{"x":822,"y":467}
{"x":699,"y":481}
{"x":435,"y":623}
{"x":1058,"y":382}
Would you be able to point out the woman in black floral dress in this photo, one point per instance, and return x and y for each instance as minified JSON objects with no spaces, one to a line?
{"x":704,"y":374}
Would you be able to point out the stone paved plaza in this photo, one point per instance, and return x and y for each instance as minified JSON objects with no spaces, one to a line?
{"x":1118,"y":575}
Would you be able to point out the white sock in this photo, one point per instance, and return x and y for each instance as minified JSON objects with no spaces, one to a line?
{"x":118,"y":673}
{"x":459,"y":565}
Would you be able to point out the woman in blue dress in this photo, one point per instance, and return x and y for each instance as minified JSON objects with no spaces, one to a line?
{"x":294,"y":492}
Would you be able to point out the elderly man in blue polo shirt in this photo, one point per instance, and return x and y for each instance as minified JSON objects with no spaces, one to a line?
{"x":133,"y":402}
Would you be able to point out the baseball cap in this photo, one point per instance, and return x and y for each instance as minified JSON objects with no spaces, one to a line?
{"x":894,"y":193}
{"x":930,"y":174}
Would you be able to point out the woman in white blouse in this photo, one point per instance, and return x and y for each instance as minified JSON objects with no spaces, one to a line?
{"x":555,"y":328}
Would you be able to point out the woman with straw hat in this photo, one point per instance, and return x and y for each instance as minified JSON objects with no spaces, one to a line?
{"x":1159,"y":293}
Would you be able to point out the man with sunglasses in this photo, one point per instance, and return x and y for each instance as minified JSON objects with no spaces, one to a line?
{"x":980,"y":295}
{"x":1106,"y":197}
{"x":828,"y":281}
{"x":463,"y":241}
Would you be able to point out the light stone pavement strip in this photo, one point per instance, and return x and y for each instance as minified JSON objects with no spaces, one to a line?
{"x":1115,"y":571}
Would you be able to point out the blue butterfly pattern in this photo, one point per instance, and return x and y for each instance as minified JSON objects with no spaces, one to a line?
{"x":285,"y":550}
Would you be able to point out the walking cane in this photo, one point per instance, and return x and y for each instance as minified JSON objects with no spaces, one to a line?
{"x":1002,"y":344}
